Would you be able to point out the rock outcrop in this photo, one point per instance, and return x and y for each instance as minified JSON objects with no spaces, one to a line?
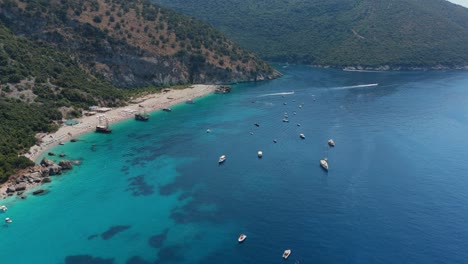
{"x":65,"y":164}
{"x":34,"y":177}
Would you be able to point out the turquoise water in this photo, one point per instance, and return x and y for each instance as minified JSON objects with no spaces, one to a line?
{"x":153,"y":192}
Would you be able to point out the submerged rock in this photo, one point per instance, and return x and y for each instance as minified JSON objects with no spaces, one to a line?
{"x":40,"y":191}
{"x":46,"y":180}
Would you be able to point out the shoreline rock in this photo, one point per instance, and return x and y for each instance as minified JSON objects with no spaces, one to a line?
{"x":33,"y":177}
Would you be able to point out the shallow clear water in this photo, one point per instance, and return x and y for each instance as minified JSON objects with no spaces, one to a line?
{"x":153,"y":192}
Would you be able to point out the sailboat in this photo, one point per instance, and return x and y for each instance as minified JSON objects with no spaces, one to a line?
{"x":142,"y":115}
{"x":103,"y":128}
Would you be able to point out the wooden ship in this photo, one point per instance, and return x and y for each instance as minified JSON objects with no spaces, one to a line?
{"x":103,"y":125}
{"x":142,"y":115}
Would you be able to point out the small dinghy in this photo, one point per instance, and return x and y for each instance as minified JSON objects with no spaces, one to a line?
{"x":302,"y":136}
{"x":331,"y":143}
{"x":241,"y":238}
{"x":222,"y":159}
{"x":260,"y":154}
{"x":286,"y":253}
{"x":8,"y":220}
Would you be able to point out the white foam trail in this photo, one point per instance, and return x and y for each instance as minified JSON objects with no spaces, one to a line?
{"x":355,"y":86}
{"x":273,"y":94}
{"x":361,"y":70}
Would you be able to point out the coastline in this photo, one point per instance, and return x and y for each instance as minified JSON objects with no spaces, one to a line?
{"x":151,"y":103}
{"x":87,"y":124}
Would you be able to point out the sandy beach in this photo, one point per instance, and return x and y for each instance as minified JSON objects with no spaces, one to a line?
{"x":88,"y":124}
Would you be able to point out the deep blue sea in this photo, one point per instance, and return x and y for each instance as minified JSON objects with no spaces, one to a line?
{"x":153,"y":192}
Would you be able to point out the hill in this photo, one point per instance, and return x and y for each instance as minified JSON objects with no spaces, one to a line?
{"x":134,"y":43}
{"x":372,"y":33}
{"x":59,"y":57}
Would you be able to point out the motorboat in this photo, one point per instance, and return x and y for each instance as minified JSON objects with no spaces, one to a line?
{"x":208,"y":130}
{"x":3,"y":208}
{"x":302,"y":136}
{"x":257,"y":124}
{"x":167,"y":109}
{"x":286,"y":253}
{"x":331,"y":143}
{"x":223,"y":90}
{"x":275,"y":141}
{"x":324,"y":164}
{"x":260,"y":154}
{"x":222,"y":158}
{"x":241,"y":238}
{"x":285,"y":120}
{"x":8,"y":220}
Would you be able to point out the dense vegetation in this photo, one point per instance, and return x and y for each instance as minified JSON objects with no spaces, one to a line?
{"x":398,"y":33}
{"x":58,"y":57}
{"x":134,"y":43}
{"x":35,"y":82}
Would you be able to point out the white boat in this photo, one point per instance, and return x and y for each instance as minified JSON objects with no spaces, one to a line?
{"x":302,"y":136}
{"x":3,"y":208}
{"x":222,"y":158}
{"x":208,"y":130}
{"x":241,"y":238}
{"x":324,"y":164}
{"x":260,"y":154}
{"x":331,"y":143}
{"x":8,"y":220}
{"x":286,"y":253}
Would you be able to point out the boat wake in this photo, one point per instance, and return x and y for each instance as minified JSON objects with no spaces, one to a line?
{"x":274,"y":94}
{"x":355,"y":86}
{"x":350,"y":70}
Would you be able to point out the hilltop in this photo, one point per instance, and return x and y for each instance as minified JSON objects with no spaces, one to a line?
{"x":371,"y":33}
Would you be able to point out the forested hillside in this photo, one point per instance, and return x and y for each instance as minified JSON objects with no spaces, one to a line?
{"x":37,"y":85}
{"x":134,"y":43}
{"x":397,"y":33}
{"x":60,"y":57}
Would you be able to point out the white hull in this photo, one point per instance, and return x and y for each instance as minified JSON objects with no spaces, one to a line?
{"x":222,"y":159}
{"x":324,"y":164}
{"x":241,"y":238}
